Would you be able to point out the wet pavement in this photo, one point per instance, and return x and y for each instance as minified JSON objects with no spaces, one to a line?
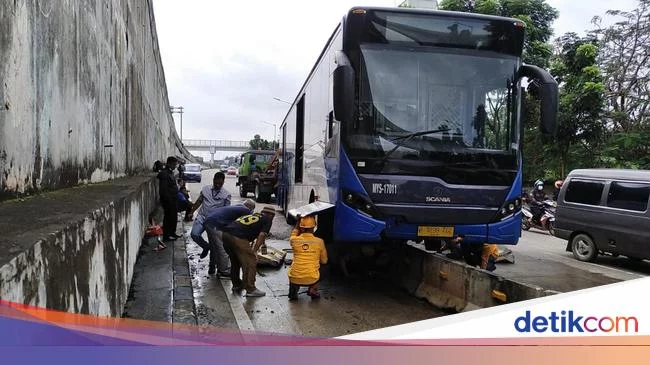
{"x":346,"y":305}
{"x":161,"y":288}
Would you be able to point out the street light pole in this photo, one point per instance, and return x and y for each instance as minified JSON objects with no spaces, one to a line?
{"x":179,"y":110}
{"x":274,"y":133}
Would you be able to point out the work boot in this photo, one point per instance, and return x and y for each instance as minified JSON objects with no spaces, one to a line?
{"x":211,"y":270}
{"x":204,"y":253}
{"x":255,"y":293}
{"x":293,"y":291}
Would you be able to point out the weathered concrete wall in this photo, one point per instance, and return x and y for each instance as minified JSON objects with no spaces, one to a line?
{"x":82,"y":93}
{"x":87,"y":266}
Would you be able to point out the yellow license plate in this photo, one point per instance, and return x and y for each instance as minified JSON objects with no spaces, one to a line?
{"x":425,"y":231}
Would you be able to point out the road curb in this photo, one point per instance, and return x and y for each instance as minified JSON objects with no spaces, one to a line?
{"x":183,"y":307}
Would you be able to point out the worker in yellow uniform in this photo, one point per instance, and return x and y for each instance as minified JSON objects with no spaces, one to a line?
{"x":489,"y":256}
{"x":308,"y":254}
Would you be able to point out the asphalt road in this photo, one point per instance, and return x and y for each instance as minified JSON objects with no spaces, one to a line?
{"x":541,"y":259}
{"x":355,"y":305}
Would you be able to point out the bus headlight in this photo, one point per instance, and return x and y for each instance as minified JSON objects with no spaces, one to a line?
{"x":508,"y":209}
{"x":360,"y":202}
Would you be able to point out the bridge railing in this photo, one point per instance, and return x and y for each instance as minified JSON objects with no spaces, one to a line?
{"x":215,"y":143}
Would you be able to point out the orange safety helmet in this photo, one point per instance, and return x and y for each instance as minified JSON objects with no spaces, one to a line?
{"x":307,"y":222}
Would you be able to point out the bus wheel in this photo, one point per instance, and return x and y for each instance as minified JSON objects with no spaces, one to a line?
{"x":433,"y":245}
{"x":472,"y":253}
{"x":584,"y":248}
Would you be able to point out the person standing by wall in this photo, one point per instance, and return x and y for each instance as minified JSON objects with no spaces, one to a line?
{"x":168,"y":191}
{"x":212,"y":197}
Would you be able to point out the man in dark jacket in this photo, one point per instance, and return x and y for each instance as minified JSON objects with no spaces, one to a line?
{"x":168,"y":190}
{"x":236,"y":240}
{"x":214,"y":225}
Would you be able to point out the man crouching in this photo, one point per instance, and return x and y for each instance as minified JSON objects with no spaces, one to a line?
{"x":308,"y":254}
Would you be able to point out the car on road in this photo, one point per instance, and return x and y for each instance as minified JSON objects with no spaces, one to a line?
{"x":232,"y":170}
{"x":192,"y":172}
{"x":223,"y":168}
{"x":605,"y":211}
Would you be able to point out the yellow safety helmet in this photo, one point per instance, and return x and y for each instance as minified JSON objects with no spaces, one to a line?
{"x":307,"y":222}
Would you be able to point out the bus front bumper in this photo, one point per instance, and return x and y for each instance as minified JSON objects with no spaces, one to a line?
{"x":354,"y":226}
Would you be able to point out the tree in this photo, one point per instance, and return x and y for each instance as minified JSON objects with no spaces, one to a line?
{"x":257,"y":143}
{"x":581,"y":101}
{"x":624,"y":60}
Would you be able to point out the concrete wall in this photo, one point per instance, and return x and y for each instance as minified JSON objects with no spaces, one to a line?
{"x":455,"y":286}
{"x":87,"y":266}
{"x":82,"y":93}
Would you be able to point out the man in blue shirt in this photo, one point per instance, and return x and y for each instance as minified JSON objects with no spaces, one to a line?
{"x":216,"y":222}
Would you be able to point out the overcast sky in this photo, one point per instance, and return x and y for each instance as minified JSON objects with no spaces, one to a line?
{"x":225,"y":61}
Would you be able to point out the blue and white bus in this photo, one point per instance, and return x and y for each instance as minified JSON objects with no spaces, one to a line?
{"x":410,"y":125}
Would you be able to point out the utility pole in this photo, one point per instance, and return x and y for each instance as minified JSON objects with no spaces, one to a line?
{"x":179,"y":110}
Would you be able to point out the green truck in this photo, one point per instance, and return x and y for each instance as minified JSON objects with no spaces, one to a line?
{"x":257,"y":175}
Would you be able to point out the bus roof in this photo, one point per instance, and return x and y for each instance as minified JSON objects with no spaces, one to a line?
{"x":436,"y":12}
{"x":394,"y":10}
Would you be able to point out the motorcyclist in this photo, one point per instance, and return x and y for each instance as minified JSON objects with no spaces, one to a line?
{"x":537,"y":198}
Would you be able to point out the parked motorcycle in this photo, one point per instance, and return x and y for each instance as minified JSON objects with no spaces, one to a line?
{"x":547,"y":220}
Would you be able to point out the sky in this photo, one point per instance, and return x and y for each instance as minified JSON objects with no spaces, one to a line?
{"x":226,"y":61}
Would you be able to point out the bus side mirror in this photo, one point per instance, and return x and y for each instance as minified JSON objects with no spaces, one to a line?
{"x":343,"y":98}
{"x":547,"y":91}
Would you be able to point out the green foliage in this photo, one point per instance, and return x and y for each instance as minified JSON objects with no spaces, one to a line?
{"x":257,"y":143}
{"x":491,"y":7}
{"x":453,"y":5}
{"x":581,"y":102}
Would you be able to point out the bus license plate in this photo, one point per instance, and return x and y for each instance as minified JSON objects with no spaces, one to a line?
{"x":426,"y":231}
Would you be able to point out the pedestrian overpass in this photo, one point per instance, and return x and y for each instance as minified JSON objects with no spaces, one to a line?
{"x":213,"y":146}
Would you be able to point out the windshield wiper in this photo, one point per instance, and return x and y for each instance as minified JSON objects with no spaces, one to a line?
{"x":409,"y":136}
{"x":422,"y":133}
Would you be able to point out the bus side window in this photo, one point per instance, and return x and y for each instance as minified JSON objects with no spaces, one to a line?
{"x":331,"y":145}
{"x":330,"y":124}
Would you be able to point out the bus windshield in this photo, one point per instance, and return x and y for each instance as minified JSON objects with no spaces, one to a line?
{"x":434,"y":107}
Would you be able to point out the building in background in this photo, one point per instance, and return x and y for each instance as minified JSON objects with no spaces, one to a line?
{"x":420,"y":4}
